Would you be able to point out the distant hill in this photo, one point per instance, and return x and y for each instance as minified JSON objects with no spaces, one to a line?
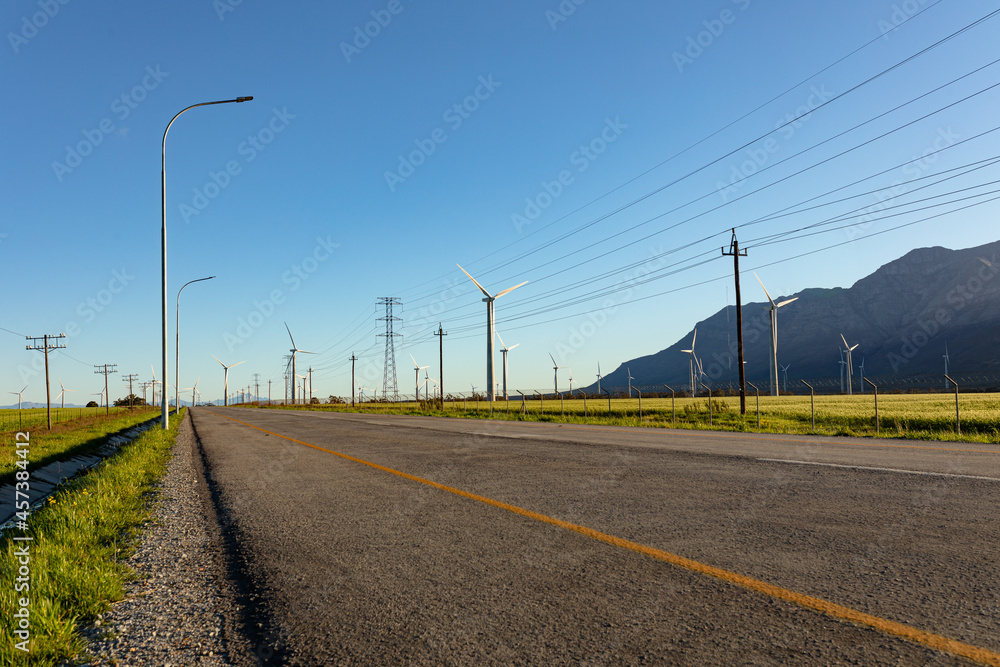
{"x":901,"y":316}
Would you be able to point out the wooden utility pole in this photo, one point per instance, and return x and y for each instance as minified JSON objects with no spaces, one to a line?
{"x":353,"y":359}
{"x":106,"y":370}
{"x":441,"y":333}
{"x":735,"y":252}
{"x":46,"y":346}
{"x":130,"y":378}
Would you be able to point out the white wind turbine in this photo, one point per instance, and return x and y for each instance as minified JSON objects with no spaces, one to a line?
{"x":62,"y":394}
{"x":849,"y":349}
{"x":861,"y":368}
{"x":599,"y":376}
{"x":555,"y":369}
{"x":571,"y":382}
{"x":628,"y":371}
{"x":293,"y":351}
{"x":490,"y":329}
{"x":225,"y":389}
{"x":18,"y":394}
{"x":946,"y":360}
{"x":416,"y":378}
{"x":773,"y":314}
{"x":784,"y":371}
{"x":693,"y":361}
{"x":503,"y":351}
{"x":155,"y":382}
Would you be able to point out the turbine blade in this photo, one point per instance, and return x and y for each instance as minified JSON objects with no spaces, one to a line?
{"x":512,"y":346}
{"x":414,"y":362}
{"x":763,"y":288}
{"x":481,"y":288}
{"x":509,"y":289}
{"x":855,"y":345}
{"x":238,"y":363}
{"x":501,"y":341}
{"x":786,"y":302}
{"x":290,"y":334}
{"x":845,"y":341}
{"x":694,"y":338}
{"x":553,"y":360}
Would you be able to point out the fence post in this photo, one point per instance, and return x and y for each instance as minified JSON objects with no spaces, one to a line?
{"x":757,"y":391}
{"x":673,"y":410}
{"x":812,"y":403}
{"x":709,"y":403}
{"x":958,"y":417}
{"x":524,"y":407}
{"x":585,"y":416}
{"x":872,"y":385}
{"x":608,"y":392}
{"x":541,"y":404}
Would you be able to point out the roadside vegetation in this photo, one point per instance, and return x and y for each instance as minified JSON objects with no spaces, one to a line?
{"x":76,"y":436}
{"x":913,"y":416}
{"x":81,"y":537}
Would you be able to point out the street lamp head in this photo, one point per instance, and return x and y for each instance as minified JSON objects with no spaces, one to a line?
{"x":244,"y":99}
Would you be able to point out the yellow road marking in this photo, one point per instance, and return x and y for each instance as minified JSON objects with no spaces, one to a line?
{"x":929,"y":639}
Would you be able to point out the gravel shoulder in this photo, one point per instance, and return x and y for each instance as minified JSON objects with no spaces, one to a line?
{"x":182,"y":608}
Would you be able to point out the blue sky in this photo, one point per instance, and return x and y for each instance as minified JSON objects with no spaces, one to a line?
{"x":388,"y":141}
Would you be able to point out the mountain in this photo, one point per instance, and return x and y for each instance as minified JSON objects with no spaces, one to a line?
{"x":901,"y":316}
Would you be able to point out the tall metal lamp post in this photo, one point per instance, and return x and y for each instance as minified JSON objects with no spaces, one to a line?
{"x":163,"y":242}
{"x":177,"y":343}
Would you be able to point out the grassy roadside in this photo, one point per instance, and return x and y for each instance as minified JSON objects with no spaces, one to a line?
{"x":74,"y":437}
{"x":81,"y":538}
{"x":900,"y":416}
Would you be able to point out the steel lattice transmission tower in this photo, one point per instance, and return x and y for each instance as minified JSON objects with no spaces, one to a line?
{"x":389,"y":387}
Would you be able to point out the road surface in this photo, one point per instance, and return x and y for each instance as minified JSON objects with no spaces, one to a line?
{"x":378,"y":539}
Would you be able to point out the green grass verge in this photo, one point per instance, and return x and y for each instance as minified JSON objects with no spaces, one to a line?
{"x":75,"y":437}
{"x":81,"y":538}
{"x":911,"y":416}
{"x":13,"y":420}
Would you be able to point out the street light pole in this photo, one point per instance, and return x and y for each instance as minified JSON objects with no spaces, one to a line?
{"x":164,"y":420}
{"x":177,"y":344}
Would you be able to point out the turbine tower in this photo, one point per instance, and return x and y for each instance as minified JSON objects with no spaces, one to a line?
{"x":225,"y":385}
{"x":693,"y":360}
{"x":628,"y":371}
{"x":599,"y":376}
{"x":490,"y":329}
{"x":849,"y":349}
{"x":773,"y":314}
{"x":293,"y":351}
{"x":503,"y":351}
{"x":416,"y":379}
{"x":555,"y":368}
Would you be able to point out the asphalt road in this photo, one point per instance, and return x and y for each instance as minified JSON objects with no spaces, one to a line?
{"x":345,"y":563}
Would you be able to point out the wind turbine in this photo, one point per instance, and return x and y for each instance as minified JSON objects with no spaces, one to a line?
{"x":155,"y":382}
{"x":946,"y":360}
{"x":599,"y":376}
{"x":303,"y":378}
{"x":225,"y":389}
{"x":628,"y":371}
{"x":862,"y":369}
{"x":849,"y":349}
{"x":18,"y":394}
{"x":555,"y":368}
{"x":503,"y":351}
{"x":293,"y":351}
{"x":194,"y":391}
{"x":490,"y":329}
{"x":416,"y":378}
{"x":571,"y":382}
{"x":784,"y":370}
{"x":62,"y":393}
{"x":693,"y":361}
{"x":773,"y":314}
{"x":842,"y":364}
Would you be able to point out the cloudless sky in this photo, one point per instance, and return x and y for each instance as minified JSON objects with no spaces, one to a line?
{"x":389,"y":140}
